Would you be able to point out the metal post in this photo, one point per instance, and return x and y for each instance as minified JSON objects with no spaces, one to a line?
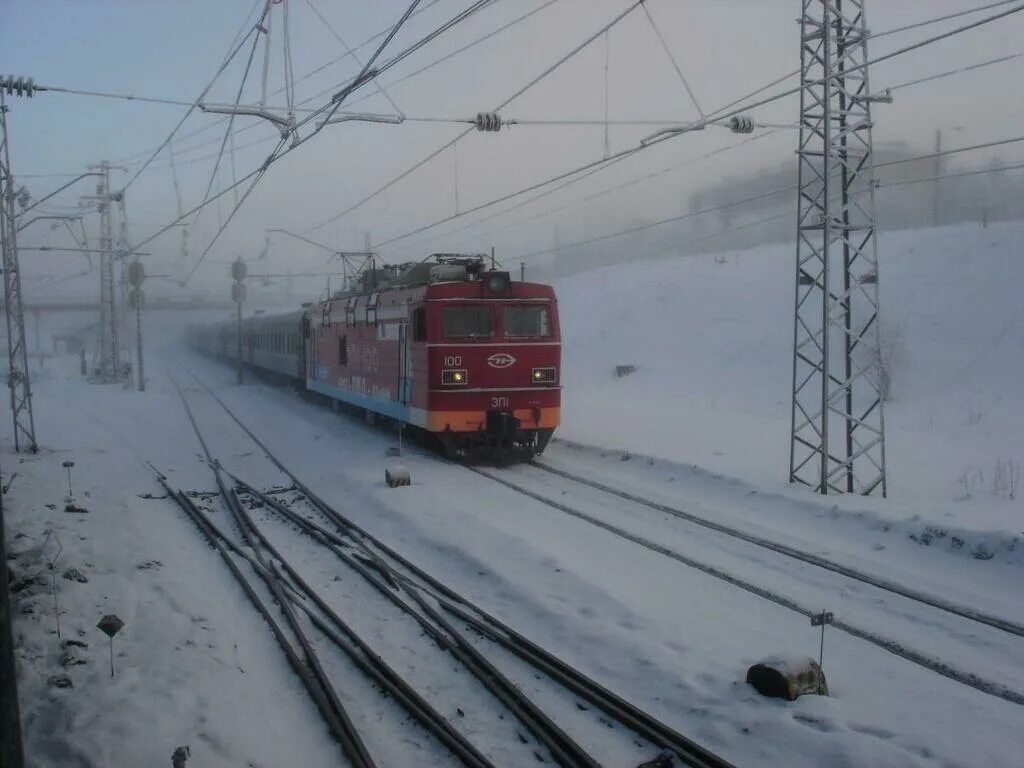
{"x":109,"y":343}
{"x":239,"y":271}
{"x":17,"y":352}
{"x":238,"y":317}
{"x":10,"y":718}
{"x":938,"y":172}
{"x":832,"y":396}
{"x":522,"y":271}
{"x":135,"y":275}
{"x":138,"y":339}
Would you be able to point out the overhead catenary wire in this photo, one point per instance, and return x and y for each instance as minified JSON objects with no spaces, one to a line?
{"x":772,"y":193}
{"x":671,"y":58}
{"x":231,"y":118}
{"x":336,"y":101}
{"x":608,"y":190}
{"x":850,"y":69}
{"x":718,"y":115}
{"x":774,"y":217}
{"x":192,"y":108}
{"x":685,"y":163}
{"x":427,"y":5}
{"x":278,"y":153}
{"x":547,"y":71}
{"x":957,"y":71}
{"x":513,"y":22}
{"x":350,"y":52}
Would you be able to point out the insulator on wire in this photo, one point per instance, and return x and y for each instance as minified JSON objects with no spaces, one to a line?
{"x":488,"y":121}
{"x":741,"y":124}
{"x":18,"y":86}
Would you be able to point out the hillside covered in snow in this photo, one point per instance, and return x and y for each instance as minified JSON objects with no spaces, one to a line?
{"x":711,"y":338}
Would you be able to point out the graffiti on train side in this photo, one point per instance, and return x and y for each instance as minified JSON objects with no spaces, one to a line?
{"x":363,"y":386}
{"x":365,"y":359}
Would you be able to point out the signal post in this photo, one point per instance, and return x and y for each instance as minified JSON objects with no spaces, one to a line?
{"x":238,"y":272}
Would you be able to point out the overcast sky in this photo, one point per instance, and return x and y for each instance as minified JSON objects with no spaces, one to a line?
{"x":725,"y":48}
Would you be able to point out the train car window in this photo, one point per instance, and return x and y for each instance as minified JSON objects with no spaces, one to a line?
{"x":466,"y":321}
{"x":343,"y":351}
{"x":419,"y":324}
{"x":526,"y":321}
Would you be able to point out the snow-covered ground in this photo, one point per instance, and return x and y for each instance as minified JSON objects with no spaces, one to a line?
{"x":708,"y":404}
{"x":713,"y":341}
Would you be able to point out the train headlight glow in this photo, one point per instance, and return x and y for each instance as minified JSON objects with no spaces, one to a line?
{"x":543,"y":375}
{"x":454,"y":377}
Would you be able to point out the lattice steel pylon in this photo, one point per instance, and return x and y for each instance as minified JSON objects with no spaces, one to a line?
{"x":17,"y":351}
{"x":837,"y":442}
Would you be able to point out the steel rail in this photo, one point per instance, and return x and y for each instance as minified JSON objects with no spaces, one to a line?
{"x":218,"y":543}
{"x":318,"y":683}
{"x":612,"y":705}
{"x":658,"y":733}
{"x":563,"y":748}
{"x":892,"y":646}
{"x":933,"y":601}
{"x":355,"y":647}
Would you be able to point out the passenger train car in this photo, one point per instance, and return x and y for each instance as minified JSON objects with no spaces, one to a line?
{"x":448,"y":347}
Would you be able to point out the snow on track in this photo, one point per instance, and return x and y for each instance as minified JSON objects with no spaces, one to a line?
{"x":875,"y":619}
{"x":659,"y":633}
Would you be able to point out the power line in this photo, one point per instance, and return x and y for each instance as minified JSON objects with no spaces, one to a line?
{"x":937,"y":19}
{"x":429,"y":4}
{"x":958,"y":150}
{"x":960,"y":175}
{"x":350,"y":52}
{"x":774,"y":217}
{"x":274,"y":156}
{"x":588,"y":198}
{"x":780,"y":190}
{"x":330,"y":107}
{"x":958,"y":71}
{"x":231,"y":55}
{"x":336,"y":101}
{"x":671,"y":58}
{"x":464,"y":133}
{"x":718,"y":115}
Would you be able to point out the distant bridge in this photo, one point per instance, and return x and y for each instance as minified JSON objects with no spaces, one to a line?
{"x":149,"y":306}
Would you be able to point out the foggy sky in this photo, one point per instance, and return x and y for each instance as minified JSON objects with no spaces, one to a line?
{"x":726,"y":48}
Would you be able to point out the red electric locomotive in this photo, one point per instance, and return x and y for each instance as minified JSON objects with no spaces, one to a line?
{"x":447,"y":346}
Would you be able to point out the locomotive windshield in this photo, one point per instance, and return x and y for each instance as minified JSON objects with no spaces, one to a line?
{"x":467,"y":321}
{"x":526,"y":321}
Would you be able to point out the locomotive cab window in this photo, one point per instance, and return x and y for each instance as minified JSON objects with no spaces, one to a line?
{"x":526,"y":321}
{"x":460,"y":322}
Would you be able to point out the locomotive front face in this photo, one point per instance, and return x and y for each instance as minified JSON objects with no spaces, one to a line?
{"x":494,"y":373}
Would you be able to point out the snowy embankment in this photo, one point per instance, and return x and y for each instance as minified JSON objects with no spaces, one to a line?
{"x":711,"y":339}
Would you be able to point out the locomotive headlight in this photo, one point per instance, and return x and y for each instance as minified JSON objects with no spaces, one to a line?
{"x":543,"y":375}
{"x":454,"y":377}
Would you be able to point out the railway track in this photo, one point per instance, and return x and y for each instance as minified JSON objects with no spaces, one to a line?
{"x":446,"y":618}
{"x":810,"y":558}
{"x":613,"y":496}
